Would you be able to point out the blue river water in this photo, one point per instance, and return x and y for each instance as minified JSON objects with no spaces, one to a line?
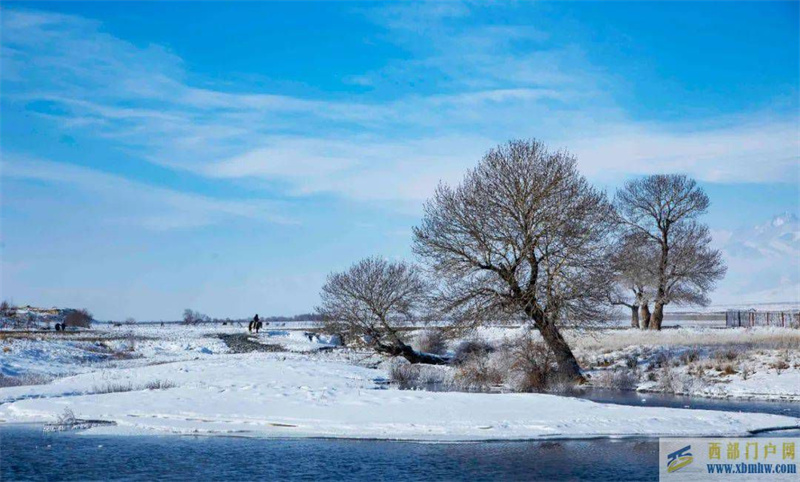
{"x":29,"y":453}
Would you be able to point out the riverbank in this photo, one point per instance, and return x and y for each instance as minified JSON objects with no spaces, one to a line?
{"x":188,"y":382}
{"x":742,"y":364}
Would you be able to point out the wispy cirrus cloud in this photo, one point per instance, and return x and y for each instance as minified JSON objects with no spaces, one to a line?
{"x":493,"y":82}
{"x":753,"y":149}
{"x":141,"y":205}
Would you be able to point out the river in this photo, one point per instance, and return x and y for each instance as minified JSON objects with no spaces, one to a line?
{"x":28,"y":453}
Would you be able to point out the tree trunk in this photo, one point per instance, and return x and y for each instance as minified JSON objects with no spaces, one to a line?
{"x":413,"y":356}
{"x":634,"y":316}
{"x":657,"y":316}
{"x":567,"y":364}
{"x":644,"y":316}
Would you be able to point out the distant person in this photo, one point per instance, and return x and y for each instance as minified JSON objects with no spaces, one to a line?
{"x":256,"y":323}
{"x":253,"y":326}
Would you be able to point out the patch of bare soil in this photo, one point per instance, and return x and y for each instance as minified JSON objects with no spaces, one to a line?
{"x":242,"y":343}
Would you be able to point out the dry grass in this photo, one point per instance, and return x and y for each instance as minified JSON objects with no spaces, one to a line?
{"x":621,"y":379}
{"x":112,"y":387}
{"x":67,"y":417}
{"x":758,"y":338}
{"x":780,"y":365}
{"x":118,"y":387}
{"x":27,"y":379}
{"x":159,"y":385}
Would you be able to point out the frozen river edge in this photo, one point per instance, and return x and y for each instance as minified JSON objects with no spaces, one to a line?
{"x":280,"y":395}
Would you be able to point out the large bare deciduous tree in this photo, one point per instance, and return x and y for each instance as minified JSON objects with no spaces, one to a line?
{"x":664,"y":210}
{"x":523,"y":237}
{"x":632,"y":276}
{"x":372,"y":300}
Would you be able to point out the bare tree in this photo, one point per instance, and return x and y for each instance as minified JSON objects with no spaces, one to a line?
{"x":6,"y":308}
{"x":632,"y":276}
{"x":664,"y":210}
{"x":523,"y":237}
{"x":81,"y":318}
{"x":191,"y":317}
{"x":371,"y":300}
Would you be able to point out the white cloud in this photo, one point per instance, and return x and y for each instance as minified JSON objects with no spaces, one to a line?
{"x":140,"y":204}
{"x":742,"y":151}
{"x":360,"y":168}
{"x":89,"y":82}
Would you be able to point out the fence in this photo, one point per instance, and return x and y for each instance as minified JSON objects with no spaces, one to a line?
{"x":788,"y":319}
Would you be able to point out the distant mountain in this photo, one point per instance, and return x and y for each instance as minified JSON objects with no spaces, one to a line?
{"x":763,"y":263}
{"x":777,"y":238}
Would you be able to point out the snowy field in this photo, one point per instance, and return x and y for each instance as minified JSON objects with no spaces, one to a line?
{"x":754,"y":364}
{"x":185,"y":380}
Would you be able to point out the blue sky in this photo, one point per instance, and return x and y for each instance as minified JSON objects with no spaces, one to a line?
{"x":226,"y":157}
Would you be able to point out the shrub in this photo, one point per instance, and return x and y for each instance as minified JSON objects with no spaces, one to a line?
{"x":113,"y":387}
{"x":668,"y":381}
{"x":658,"y":361}
{"x":697,"y":370}
{"x":78,"y":318}
{"x":432,"y":341}
{"x":780,"y":365}
{"x":631,"y":361}
{"x":534,"y":365}
{"x":26,"y":379}
{"x":672,"y":382}
{"x":130,"y":342}
{"x":67,"y":417}
{"x":726,"y":355}
{"x":478,"y":374}
{"x":418,"y":376}
{"x":159,"y":385}
{"x":7,"y":309}
{"x":620,"y":379}
{"x":470,"y":349}
{"x":605,"y":362}
{"x":118,"y":387}
{"x":690,"y":356}
{"x":404,"y":375}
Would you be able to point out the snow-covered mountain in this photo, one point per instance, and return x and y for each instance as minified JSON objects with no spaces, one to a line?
{"x":763,"y":262}
{"x":775,"y":239}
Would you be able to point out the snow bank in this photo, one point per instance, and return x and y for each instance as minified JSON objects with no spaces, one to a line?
{"x":290,"y":395}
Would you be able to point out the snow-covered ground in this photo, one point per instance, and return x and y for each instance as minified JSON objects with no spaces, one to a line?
{"x":307,"y":392}
{"x":268,"y":394}
{"x":759,"y":363}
